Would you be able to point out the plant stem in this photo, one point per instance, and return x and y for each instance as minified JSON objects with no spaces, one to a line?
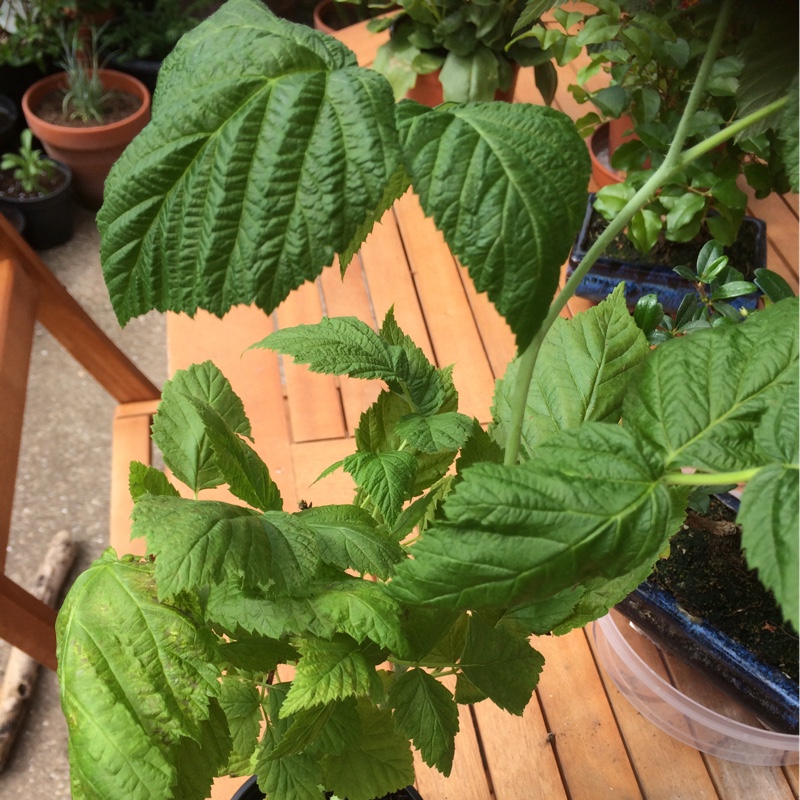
{"x":673,"y":162}
{"x":713,"y":479}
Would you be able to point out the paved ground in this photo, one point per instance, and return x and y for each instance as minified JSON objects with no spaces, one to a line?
{"x":63,"y":483}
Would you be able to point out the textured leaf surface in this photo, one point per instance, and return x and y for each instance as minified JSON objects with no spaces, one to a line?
{"x":710,"y":422}
{"x":268,"y":151}
{"x":770,"y":509}
{"x":506,"y":184}
{"x":329,"y":670}
{"x":590,"y":504}
{"x":381,"y":762}
{"x":426,"y":712}
{"x":241,"y":704}
{"x":581,"y":373}
{"x":501,"y":663}
{"x":178,"y":429}
{"x":134,"y":672}
{"x":431,"y":434}
{"x":387,"y":478}
{"x":349,"y":538}
{"x":144,"y":479}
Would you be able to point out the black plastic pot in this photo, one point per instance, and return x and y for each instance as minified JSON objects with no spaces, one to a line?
{"x":641,"y":279}
{"x":250,"y":791}
{"x":48,"y":219}
{"x":9,"y":131}
{"x":765,"y":690}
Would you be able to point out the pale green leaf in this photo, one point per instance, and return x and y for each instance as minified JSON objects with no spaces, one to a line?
{"x":431,"y":434}
{"x":582,"y":373}
{"x":709,"y":421}
{"x":380,"y":763}
{"x":361,"y":609}
{"x":240,"y":701}
{"x":588,"y":505}
{"x":327,"y":671}
{"x":425,"y":712}
{"x":143,"y":479}
{"x":501,"y":663}
{"x":269,"y":150}
{"x":134,"y":672}
{"x":387,"y":478}
{"x":506,"y":184}
{"x":179,"y":431}
{"x":470,"y":78}
{"x":241,"y":467}
{"x":349,"y":538}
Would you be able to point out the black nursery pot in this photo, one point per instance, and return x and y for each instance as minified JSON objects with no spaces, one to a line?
{"x":48,"y":219}
{"x":763,"y":689}
{"x":250,"y":791}
{"x":659,"y":279}
{"x":9,"y":131}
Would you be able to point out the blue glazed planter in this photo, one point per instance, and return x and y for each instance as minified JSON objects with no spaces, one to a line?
{"x":641,"y":279}
{"x":250,"y":791}
{"x":765,"y":690}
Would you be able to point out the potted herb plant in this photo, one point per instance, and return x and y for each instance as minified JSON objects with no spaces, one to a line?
{"x":460,"y":51}
{"x":548,"y":520}
{"x":39,"y":189}
{"x":651,"y":54}
{"x":86,"y":115}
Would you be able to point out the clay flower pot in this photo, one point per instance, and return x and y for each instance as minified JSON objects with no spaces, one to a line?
{"x":88,"y":151}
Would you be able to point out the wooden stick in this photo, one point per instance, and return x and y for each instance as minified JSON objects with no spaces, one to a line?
{"x":22,"y":670}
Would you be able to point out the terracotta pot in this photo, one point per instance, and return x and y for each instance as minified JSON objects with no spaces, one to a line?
{"x":599,"y":150}
{"x":620,"y":131}
{"x":89,"y":152}
{"x":428,"y":90}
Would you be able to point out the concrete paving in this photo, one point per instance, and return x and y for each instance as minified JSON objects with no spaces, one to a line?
{"x":63,"y":483}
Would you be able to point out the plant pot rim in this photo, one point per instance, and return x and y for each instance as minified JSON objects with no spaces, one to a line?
{"x":250,"y":786}
{"x":698,"y":726}
{"x":28,"y":201}
{"x":112,"y":79}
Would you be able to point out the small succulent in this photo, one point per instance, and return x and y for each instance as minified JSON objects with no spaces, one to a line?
{"x":30,"y":166}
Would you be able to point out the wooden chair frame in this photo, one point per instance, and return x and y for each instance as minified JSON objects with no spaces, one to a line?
{"x":29,"y":291}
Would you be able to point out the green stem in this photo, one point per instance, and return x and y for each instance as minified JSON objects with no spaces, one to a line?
{"x":672,"y":163}
{"x":713,"y":479}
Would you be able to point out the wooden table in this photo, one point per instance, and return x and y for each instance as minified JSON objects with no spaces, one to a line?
{"x":579,"y":738}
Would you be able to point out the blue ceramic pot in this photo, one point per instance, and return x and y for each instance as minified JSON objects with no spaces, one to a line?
{"x":641,"y":279}
{"x":765,"y":690}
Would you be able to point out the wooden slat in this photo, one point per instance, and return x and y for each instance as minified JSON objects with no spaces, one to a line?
{"x":315,"y":406}
{"x":446,"y":309}
{"x":653,"y":752}
{"x":75,"y":329}
{"x":588,"y":743}
{"x":130,"y":442}
{"x":519,"y":752}
{"x":390,"y":282}
{"x":27,"y":623}
{"x":309,"y":459}
{"x":18,"y":299}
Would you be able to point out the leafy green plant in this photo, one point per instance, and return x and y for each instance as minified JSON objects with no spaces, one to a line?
{"x":717,"y":284}
{"x":150,"y":30}
{"x":29,"y":31}
{"x":472,"y":43}
{"x":85,"y":96}
{"x":30,"y":167}
{"x":652,"y":53}
{"x":546,"y":520}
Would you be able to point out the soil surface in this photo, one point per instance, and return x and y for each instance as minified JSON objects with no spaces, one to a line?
{"x":118,"y":106}
{"x":742,"y":253}
{"x":11,"y":188}
{"x":709,"y":577}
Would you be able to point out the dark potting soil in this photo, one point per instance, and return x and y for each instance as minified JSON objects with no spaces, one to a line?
{"x":11,"y":188}
{"x":118,"y":106}
{"x":707,"y":574}
{"x":742,"y":254}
